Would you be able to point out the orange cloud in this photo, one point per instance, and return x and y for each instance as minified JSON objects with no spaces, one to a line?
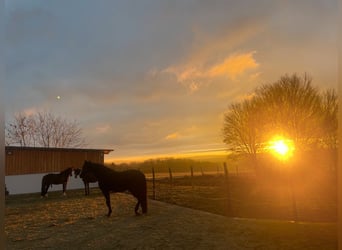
{"x":211,"y":56}
{"x":233,"y":66}
{"x":172,"y":136}
{"x":193,"y":75}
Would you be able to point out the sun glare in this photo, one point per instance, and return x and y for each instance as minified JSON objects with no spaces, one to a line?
{"x":283,"y":148}
{"x":280,"y":147}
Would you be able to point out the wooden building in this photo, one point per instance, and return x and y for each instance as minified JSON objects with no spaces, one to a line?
{"x":30,"y":163}
{"x":32,"y":160}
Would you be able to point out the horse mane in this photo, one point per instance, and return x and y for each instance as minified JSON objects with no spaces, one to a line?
{"x":66,"y":170}
{"x":100,"y":167}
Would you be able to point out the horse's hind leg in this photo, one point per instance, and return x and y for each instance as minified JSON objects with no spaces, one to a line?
{"x":136,"y":208}
{"x":144,"y":204}
{"x":42,"y":193}
{"x":141,"y":202}
{"x":46,"y":188}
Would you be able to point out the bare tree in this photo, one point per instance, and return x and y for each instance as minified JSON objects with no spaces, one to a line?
{"x":45,"y":130}
{"x":329,"y":116}
{"x":291,"y":107}
{"x":240,"y":130}
{"x":21,"y":131}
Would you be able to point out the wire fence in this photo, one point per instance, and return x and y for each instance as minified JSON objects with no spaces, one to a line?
{"x":236,"y":194}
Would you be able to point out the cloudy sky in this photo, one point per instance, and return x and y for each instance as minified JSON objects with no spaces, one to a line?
{"x":154,"y":77}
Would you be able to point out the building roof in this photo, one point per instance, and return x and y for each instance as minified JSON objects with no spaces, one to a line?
{"x":105,"y":151}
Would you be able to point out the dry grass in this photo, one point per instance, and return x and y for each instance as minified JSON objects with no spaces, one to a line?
{"x":79,"y":222}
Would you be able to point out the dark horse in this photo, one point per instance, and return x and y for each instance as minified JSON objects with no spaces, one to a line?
{"x":61,"y":178}
{"x":110,"y":180}
{"x":87,"y":178}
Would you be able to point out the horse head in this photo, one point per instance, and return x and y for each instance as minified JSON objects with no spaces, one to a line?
{"x":67,"y":172}
{"x":70,"y":171}
{"x":85,"y":168}
{"x":77,"y":172}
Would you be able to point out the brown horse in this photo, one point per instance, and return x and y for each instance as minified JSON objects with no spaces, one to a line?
{"x":110,"y":180}
{"x":87,"y":178}
{"x":61,"y":178}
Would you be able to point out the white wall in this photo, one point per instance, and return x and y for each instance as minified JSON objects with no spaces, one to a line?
{"x":31,"y":183}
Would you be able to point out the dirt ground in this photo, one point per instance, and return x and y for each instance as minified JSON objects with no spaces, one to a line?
{"x":79,"y":222}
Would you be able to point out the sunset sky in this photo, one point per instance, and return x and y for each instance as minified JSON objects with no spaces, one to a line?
{"x":154,"y":77}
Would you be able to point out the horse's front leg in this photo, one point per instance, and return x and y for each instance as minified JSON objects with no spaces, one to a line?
{"x":87,"y":188}
{"x":64,"y":188}
{"x":107,"y":196}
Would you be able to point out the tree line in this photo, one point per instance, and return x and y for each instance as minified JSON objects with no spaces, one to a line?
{"x":163,"y":165}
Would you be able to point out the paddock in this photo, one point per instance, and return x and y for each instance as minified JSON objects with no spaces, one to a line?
{"x":79,"y":222}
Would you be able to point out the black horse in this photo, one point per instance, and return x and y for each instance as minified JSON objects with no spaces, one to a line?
{"x":110,"y":180}
{"x":61,"y":178}
{"x":87,"y":178}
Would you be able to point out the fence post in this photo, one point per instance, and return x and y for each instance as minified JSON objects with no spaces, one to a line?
{"x":227,"y":187}
{"x":192,"y":177}
{"x":171,"y":185}
{"x":153,"y":184}
{"x":170,"y":174}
